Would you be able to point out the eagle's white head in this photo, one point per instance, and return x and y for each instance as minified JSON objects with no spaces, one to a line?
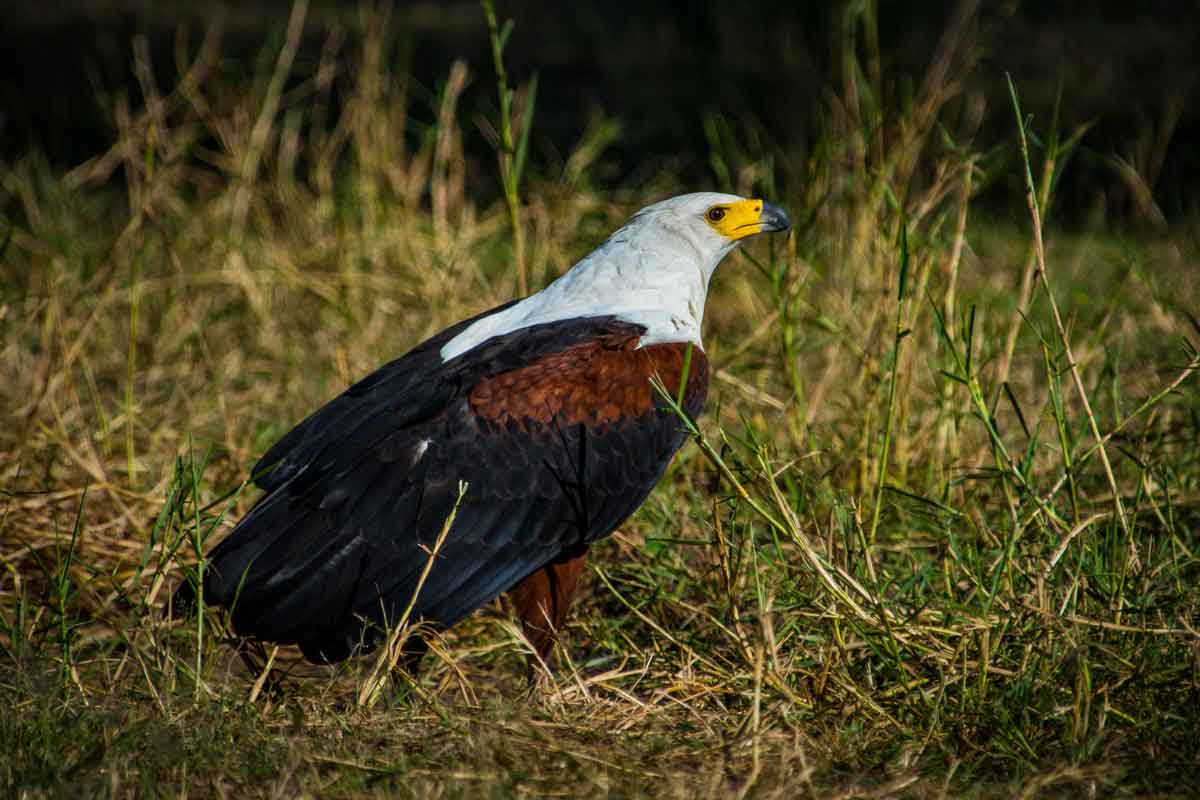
{"x":710,"y":223}
{"x":654,"y":271}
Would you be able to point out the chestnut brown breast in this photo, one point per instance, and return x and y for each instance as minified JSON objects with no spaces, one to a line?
{"x":598,"y":382}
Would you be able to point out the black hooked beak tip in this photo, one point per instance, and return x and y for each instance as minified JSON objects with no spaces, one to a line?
{"x":773,"y":219}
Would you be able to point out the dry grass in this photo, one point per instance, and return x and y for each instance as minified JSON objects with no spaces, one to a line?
{"x":894,"y":563}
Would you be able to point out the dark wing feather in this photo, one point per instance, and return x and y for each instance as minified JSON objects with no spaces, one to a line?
{"x":336,"y":548}
{"x":399,"y":384}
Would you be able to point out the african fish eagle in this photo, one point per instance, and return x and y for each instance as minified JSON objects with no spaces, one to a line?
{"x":545,"y":408}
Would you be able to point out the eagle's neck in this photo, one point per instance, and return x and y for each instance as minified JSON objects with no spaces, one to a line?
{"x":659,"y":282}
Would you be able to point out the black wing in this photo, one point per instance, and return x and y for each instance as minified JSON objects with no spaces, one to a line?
{"x":365,"y":485}
{"x":392,"y":383}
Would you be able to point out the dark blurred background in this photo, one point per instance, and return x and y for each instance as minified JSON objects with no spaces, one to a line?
{"x":773,"y":69}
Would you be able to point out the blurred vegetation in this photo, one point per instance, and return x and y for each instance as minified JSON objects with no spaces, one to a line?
{"x":936,"y":535}
{"x":1126,"y":70}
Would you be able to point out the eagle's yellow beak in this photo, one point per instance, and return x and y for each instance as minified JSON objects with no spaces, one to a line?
{"x":748,"y":217}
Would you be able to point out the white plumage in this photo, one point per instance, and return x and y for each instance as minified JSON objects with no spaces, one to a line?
{"x":653,"y":271}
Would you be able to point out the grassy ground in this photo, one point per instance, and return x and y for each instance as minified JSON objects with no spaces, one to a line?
{"x":937,"y":534}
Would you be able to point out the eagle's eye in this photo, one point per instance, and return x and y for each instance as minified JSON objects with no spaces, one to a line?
{"x":716,"y":214}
